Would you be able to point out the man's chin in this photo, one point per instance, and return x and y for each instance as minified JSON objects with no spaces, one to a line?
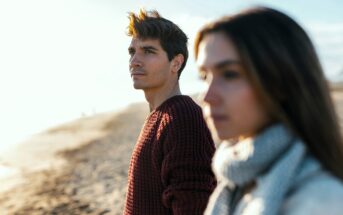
{"x":137,"y":87}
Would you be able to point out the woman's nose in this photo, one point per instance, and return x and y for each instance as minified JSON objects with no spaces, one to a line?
{"x":212,"y":95}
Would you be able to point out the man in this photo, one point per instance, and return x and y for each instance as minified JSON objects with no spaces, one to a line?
{"x":170,"y":169}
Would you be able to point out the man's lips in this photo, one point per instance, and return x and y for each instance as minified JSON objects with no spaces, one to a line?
{"x":137,"y":74}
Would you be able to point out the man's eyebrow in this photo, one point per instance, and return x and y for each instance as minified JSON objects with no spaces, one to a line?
{"x":221,"y":64}
{"x":149,"y":48}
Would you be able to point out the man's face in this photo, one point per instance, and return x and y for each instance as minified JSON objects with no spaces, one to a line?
{"x":150,"y":68}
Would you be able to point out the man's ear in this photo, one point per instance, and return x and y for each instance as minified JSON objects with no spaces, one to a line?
{"x":177,"y":63}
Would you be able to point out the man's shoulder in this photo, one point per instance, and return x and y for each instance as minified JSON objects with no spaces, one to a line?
{"x":183,"y":105}
{"x":182,"y":112}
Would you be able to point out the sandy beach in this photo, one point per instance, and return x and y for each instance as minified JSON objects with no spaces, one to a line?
{"x":76,"y":168}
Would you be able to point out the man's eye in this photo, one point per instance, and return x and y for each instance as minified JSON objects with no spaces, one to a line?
{"x":229,"y":74}
{"x":147,"y":51}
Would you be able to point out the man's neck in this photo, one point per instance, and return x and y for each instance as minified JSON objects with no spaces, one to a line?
{"x":156,"y":98}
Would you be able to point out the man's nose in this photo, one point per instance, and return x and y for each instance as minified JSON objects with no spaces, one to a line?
{"x":135,"y":61}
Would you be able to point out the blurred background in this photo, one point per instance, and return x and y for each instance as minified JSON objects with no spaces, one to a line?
{"x":67,"y":60}
{"x":61,"y":60}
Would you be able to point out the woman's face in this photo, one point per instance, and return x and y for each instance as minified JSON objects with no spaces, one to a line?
{"x":231,"y":105}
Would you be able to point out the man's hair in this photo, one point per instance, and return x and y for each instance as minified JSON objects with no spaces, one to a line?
{"x":150,"y":25}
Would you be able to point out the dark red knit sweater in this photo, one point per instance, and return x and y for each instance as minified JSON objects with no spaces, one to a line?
{"x":170,"y":169}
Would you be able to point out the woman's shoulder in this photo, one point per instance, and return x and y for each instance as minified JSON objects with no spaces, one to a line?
{"x":320,"y":194}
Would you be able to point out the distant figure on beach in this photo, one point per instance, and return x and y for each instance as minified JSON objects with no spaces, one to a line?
{"x":268,"y":100}
{"x":170,"y":169}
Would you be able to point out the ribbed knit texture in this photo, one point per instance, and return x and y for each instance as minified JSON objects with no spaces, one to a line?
{"x":170,"y":170}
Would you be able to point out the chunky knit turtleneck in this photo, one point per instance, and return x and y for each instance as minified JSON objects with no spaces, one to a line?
{"x":285,"y":178}
{"x":170,"y":169}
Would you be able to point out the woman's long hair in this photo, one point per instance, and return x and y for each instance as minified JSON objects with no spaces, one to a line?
{"x":284,"y":69}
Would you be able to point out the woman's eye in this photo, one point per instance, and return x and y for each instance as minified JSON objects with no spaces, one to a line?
{"x":229,"y":75}
{"x":202,"y":76}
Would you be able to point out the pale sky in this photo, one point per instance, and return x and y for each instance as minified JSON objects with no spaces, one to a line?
{"x":60,"y":59}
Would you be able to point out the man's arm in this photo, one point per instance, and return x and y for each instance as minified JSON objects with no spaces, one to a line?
{"x":186,"y":167}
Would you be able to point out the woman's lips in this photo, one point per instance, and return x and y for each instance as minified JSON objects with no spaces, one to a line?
{"x":217,"y":118}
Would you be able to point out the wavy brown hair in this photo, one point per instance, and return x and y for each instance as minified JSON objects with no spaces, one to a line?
{"x":284,"y":69}
{"x":150,"y":25}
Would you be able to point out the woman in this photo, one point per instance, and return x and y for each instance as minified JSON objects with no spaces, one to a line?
{"x":266,"y":90}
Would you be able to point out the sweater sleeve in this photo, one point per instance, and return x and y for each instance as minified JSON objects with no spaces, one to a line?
{"x":186,"y":167}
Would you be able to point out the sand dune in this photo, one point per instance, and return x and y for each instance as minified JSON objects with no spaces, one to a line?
{"x":77,"y":168}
